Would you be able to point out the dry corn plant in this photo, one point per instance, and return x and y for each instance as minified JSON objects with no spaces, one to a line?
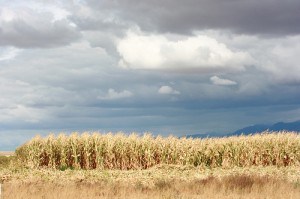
{"x":120,"y":151}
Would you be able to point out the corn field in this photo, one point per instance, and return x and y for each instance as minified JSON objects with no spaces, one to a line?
{"x":120,"y":151}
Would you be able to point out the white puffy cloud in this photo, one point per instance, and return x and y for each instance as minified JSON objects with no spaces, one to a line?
{"x":112,"y":94}
{"x":223,"y":82}
{"x":196,"y":53}
{"x":167,"y":90}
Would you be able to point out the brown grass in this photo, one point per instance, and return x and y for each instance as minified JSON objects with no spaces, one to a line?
{"x":163,"y":181}
{"x":233,"y":186}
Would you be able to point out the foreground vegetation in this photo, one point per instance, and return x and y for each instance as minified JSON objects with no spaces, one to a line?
{"x":163,"y":181}
{"x":107,"y":151}
{"x":119,"y":166}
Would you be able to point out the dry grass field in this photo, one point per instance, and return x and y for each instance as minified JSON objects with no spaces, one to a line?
{"x":165,"y":181}
{"x":119,"y":166}
{"x":7,"y":153}
{"x":227,"y":187}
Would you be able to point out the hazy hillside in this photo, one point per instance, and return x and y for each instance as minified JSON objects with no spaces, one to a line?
{"x":280,"y":126}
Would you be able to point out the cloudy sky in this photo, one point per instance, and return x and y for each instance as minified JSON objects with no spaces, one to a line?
{"x":168,"y":67}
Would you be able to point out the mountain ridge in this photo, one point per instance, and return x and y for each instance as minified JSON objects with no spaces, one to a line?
{"x":257,"y":128}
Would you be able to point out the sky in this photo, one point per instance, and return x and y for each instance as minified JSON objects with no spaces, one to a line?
{"x":161,"y":66}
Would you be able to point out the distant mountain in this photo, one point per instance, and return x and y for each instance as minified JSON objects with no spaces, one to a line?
{"x":292,"y":126}
{"x":251,"y":129}
{"x":280,"y":126}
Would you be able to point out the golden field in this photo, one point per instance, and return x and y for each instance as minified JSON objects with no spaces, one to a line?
{"x":119,"y":166}
{"x":108,"y":151}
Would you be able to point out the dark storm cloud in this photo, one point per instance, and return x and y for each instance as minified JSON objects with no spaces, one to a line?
{"x":271,"y":17}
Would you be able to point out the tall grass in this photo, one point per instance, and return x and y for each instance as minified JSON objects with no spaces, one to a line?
{"x":108,"y":151}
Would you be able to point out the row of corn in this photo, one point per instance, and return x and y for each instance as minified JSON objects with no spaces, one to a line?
{"x":120,"y":151}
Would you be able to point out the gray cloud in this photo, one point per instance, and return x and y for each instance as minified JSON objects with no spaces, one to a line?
{"x":267,"y":17}
{"x":28,"y":28}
